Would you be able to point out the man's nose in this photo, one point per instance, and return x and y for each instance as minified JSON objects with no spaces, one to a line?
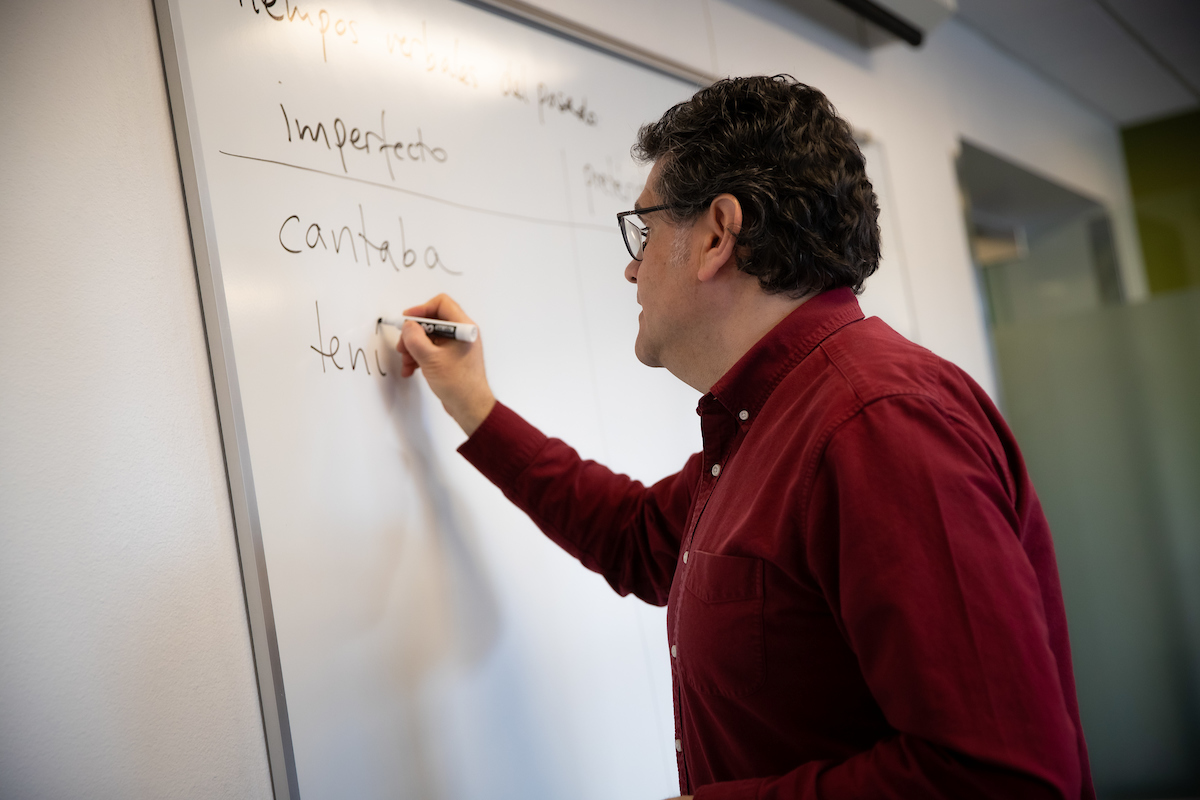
{"x":631,"y":270}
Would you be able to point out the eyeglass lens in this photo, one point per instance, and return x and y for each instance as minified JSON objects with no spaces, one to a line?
{"x":633,"y":237}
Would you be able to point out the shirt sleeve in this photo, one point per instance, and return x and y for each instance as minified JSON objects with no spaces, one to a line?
{"x":913,"y":534}
{"x":614,"y":525}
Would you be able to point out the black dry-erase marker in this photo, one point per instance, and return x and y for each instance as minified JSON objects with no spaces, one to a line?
{"x":461,"y":331}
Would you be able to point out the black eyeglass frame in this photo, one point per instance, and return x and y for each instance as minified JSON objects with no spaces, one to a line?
{"x":644,"y":231}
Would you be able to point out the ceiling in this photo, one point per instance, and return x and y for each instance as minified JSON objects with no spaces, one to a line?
{"x":1132,"y":60}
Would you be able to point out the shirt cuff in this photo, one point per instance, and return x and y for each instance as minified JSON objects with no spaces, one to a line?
{"x":503,"y":446}
{"x":730,"y":790}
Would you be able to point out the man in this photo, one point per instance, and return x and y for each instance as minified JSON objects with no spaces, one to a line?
{"x":862,"y":599}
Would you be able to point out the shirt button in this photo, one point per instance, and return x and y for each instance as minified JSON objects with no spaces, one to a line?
{"x":716,"y":470}
{"x":678,"y":745}
{"x":674,"y":652}
{"x":685,"y":552}
{"x":743,"y":415}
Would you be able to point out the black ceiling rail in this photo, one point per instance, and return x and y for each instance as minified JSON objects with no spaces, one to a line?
{"x":883,"y":18}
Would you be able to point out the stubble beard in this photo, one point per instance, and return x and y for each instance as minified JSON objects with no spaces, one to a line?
{"x":646,"y":348}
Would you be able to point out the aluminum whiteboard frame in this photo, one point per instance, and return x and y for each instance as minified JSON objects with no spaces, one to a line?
{"x":247,"y":530}
{"x":571,"y":30}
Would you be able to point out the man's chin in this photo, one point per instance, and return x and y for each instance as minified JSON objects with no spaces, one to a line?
{"x":645,"y":354}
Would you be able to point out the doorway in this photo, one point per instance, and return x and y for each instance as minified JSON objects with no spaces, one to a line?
{"x":1104,"y":398}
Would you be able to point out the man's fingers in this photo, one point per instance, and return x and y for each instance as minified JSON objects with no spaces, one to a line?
{"x":440,"y":307}
{"x":408,"y":364}
{"x":415,"y":343}
{"x":453,"y":370}
{"x":423,"y":310}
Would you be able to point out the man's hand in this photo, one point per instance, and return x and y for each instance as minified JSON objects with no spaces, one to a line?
{"x":453,"y":369}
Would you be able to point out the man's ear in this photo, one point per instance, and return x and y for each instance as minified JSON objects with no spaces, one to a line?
{"x":719,"y":227}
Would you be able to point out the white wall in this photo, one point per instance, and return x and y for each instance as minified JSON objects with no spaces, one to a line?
{"x":125,"y":664}
{"x":125,"y":669}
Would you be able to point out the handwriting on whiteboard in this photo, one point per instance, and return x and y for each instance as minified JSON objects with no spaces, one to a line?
{"x":328,"y":26}
{"x":354,"y":357}
{"x":360,"y":141}
{"x":430,"y":58}
{"x":445,"y":59}
{"x":515,"y":85}
{"x":340,"y":241}
{"x":563,"y":103}
{"x":608,"y":181}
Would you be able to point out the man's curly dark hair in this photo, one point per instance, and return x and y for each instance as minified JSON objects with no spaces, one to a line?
{"x":809,"y":214}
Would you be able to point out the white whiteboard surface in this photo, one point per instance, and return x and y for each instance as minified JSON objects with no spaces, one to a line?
{"x":419,"y":638}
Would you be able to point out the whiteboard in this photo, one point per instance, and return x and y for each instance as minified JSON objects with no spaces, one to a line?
{"x":415,"y":635}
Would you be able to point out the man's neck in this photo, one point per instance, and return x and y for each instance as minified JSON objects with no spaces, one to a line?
{"x":734,"y":328}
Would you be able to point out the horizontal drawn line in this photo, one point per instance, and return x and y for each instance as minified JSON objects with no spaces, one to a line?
{"x":443,"y":201}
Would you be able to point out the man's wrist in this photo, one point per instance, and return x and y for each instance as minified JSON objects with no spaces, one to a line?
{"x":472,"y":414}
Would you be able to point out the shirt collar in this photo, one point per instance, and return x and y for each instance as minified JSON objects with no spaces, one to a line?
{"x":749,"y":382}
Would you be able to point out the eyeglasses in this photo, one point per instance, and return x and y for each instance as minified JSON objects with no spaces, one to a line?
{"x":634,"y":234}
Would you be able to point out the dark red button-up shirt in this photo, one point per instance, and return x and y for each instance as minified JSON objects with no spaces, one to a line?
{"x":862,"y":598}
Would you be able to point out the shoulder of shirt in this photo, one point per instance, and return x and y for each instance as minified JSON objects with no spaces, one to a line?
{"x":876,"y":362}
{"x":861,"y":368}
{"x":872,"y":367}
{"x":867,"y":362}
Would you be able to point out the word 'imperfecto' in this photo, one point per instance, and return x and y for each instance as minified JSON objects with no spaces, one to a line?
{"x":361,"y":139}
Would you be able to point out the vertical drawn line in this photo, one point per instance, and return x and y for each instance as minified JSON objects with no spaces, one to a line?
{"x":901,"y":257}
{"x":587,"y":329}
{"x":712,"y":36}
{"x":320,"y":340}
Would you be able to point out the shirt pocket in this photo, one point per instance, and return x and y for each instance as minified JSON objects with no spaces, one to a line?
{"x":720,"y":625}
